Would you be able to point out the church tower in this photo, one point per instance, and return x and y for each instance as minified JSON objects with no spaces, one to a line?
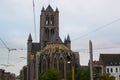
{"x":49,"y":20}
{"x":50,"y":51}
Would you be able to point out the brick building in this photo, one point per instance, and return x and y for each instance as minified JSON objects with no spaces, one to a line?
{"x":111,"y":64}
{"x":6,"y":75}
{"x":23,"y":73}
{"x":108,"y":63}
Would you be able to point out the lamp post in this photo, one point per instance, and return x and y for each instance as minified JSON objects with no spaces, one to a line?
{"x":70,"y":60}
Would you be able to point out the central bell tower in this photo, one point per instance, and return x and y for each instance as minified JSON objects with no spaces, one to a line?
{"x":49,"y":24}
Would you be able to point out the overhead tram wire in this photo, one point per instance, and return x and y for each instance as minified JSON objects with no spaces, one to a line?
{"x":100,"y":48}
{"x":95,"y":30}
{"x":34,"y":19}
{"x":8,"y":64}
{"x":4,"y":44}
{"x":96,"y":49}
{"x":9,"y":50}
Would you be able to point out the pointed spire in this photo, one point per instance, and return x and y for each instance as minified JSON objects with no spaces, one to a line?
{"x":43,"y":9}
{"x":65,"y":40}
{"x":49,"y":9}
{"x":57,"y":10}
{"x":68,"y":38}
{"x":29,"y":38}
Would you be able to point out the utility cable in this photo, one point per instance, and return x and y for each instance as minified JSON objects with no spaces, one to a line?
{"x":7,"y":49}
{"x":4,"y":44}
{"x":99,"y":28}
{"x":96,"y":49}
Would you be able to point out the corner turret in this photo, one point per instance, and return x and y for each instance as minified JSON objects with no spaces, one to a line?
{"x":29,"y":50}
{"x":57,"y":10}
{"x":29,"y":45}
{"x":29,"y":38}
{"x":67,"y":42}
{"x":68,"y":39}
{"x":43,"y":9}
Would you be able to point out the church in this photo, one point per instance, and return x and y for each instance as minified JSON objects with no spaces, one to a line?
{"x":50,"y":51}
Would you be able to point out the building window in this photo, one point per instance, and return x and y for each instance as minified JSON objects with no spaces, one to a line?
{"x":46,"y":34}
{"x":108,"y":70}
{"x":47,"y":20}
{"x":52,"y":32}
{"x":111,"y":70}
{"x":52,"y":20}
{"x":61,"y":66}
{"x":44,"y":65}
{"x":116,"y":69}
{"x":55,"y":63}
{"x":119,"y":69}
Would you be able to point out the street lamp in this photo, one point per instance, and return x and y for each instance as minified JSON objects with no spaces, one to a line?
{"x":70,"y":60}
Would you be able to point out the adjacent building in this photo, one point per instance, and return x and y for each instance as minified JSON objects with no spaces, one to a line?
{"x":111,"y":64}
{"x":23,"y":73}
{"x":108,"y":63}
{"x":6,"y":75}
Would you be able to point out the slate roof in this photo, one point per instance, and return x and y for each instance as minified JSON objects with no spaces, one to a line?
{"x":110,"y":59}
{"x":49,"y":9}
{"x":29,"y":38}
{"x":35,"y":46}
{"x":56,"y":38}
{"x":57,"y":10}
{"x":68,"y":38}
{"x":43,"y":9}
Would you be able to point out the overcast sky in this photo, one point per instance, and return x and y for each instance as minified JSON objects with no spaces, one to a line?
{"x":83,"y":20}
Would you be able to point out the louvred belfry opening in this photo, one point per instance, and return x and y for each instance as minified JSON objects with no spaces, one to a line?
{"x":49,"y":24}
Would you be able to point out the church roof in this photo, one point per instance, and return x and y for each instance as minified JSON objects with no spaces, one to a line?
{"x":43,"y":9}
{"x":68,"y":38}
{"x":57,"y":10}
{"x":49,"y":9}
{"x":56,"y":38}
{"x":35,"y":46}
{"x":52,"y":48}
{"x":110,"y":59}
{"x":29,"y":38}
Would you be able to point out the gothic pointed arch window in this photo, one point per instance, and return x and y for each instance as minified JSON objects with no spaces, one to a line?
{"x":47,"y":34}
{"x":61,"y":66}
{"x":47,"y":20}
{"x":55,"y":63}
{"x":52,"y":20}
{"x":44,"y":65}
{"x":52,"y":32}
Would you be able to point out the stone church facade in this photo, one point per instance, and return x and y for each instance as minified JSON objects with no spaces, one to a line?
{"x":50,"y":51}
